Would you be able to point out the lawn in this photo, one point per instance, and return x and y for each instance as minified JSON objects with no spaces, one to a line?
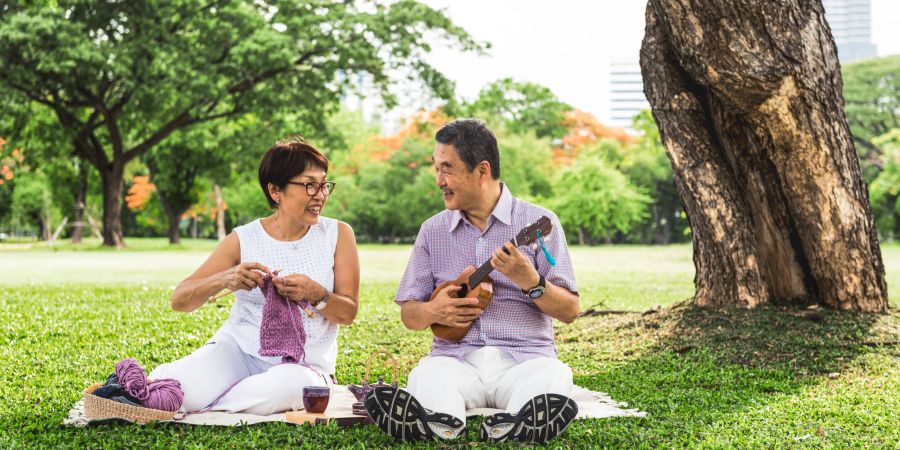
{"x":762,"y":378}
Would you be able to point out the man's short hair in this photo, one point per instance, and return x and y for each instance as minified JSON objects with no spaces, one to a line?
{"x":288,"y":158}
{"x":474,"y":142}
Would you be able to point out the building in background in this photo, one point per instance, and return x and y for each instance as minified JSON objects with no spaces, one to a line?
{"x":851,"y":25}
{"x":626,"y":93}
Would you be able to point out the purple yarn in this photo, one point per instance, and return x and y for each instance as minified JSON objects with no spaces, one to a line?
{"x":281,"y":331}
{"x":133,"y":378}
{"x":164,"y":394}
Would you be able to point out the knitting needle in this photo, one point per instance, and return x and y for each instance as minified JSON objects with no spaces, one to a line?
{"x":213,"y":298}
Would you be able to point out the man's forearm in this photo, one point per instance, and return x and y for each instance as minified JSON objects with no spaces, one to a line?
{"x":415,"y":315}
{"x":559,"y":303}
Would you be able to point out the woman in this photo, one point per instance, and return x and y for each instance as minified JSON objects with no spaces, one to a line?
{"x":311,"y":259}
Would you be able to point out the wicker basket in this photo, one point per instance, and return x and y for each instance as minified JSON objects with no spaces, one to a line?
{"x":99,"y":408}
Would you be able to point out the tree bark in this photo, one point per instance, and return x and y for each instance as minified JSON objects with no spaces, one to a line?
{"x":80,"y":199}
{"x":748,"y":99}
{"x":174,"y":217}
{"x":193,"y":227}
{"x":220,"y":213}
{"x":112,"y":204}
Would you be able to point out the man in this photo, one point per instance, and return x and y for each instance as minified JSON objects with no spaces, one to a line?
{"x":507,"y":360}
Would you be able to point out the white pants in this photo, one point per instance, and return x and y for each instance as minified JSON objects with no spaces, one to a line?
{"x":256,"y":386}
{"x":487,"y":378}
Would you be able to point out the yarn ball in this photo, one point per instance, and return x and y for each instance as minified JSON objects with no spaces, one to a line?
{"x":133,"y":378}
{"x":164,"y":394}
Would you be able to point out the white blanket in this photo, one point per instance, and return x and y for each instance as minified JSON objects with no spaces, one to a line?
{"x":591,"y":405}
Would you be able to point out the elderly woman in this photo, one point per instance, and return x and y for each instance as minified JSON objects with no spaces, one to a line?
{"x":308,"y":259}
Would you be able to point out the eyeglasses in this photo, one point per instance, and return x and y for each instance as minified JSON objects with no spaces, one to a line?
{"x":313,"y":188}
{"x":441,"y":172}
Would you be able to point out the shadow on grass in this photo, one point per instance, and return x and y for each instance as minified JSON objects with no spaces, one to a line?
{"x":695,"y":371}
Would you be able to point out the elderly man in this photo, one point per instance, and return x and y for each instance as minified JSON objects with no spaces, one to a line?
{"x":507,"y":359}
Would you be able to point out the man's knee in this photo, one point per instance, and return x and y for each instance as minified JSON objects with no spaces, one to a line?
{"x":436,"y":369}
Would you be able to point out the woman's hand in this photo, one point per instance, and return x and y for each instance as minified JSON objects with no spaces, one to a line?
{"x":245,"y":276}
{"x":296,"y":287}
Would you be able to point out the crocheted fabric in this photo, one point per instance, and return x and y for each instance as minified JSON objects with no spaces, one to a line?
{"x":281,"y":332}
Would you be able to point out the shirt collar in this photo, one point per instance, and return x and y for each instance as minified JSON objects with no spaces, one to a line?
{"x":502,"y":211}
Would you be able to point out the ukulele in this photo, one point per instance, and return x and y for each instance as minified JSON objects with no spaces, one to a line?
{"x":483,"y":289}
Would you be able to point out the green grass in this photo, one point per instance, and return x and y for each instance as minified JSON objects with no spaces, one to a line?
{"x":762,"y":378}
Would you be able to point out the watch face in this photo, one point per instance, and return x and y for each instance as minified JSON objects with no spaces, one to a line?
{"x":536,"y":292}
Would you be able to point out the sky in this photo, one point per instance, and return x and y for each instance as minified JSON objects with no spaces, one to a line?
{"x":567,"y":45}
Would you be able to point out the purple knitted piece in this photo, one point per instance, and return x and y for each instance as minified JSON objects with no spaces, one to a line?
{"x":281,"y":332}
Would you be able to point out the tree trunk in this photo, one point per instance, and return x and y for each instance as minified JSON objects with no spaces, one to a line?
{"x":220,"y":213}
{"x":747,"y":96}
{"x":174,"y":217}
{"x":80,"y":198}
{"x":581,"y":240}
{"x":112,"y":205}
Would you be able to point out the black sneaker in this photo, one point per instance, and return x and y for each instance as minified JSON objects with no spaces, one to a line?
{"x":400,"y":415}
{"x":541,"y":419}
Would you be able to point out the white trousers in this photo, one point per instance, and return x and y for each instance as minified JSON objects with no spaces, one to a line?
{"x":256,"y":386}
{"x":487,"y":378}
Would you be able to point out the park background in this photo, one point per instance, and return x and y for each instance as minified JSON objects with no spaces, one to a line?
{"x":70,"y":309}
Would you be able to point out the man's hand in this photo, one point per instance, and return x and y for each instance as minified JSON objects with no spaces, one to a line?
{"x":448,"y":310}
{"x":516,"y":266}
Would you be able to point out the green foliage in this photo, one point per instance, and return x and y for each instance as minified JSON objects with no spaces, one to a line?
{"x":872,"y":105}
{"x":646,"y":164}
{"x":245,"y":199}
{"x":884,"y":191}
{"x":121,"y":77}
{"x":526,"y":164}
{"x":521,"y":107}
{"x":178,"y":163}
{"x":389,"y":200}
{"x":31,"y":197}
{"x":596,"y":198}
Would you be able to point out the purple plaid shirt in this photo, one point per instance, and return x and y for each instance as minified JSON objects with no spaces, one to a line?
{"x":448,"y":242}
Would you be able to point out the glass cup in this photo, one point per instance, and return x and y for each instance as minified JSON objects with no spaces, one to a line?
{"x":315,"y":398}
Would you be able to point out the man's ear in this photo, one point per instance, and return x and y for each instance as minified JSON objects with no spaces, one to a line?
{"x":484,"y":170}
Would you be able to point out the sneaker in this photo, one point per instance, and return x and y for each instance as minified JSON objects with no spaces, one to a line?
{"x":541,"y":419}
{"x":400,"y":415}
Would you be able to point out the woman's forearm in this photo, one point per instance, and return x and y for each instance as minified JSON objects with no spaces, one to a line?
{"x":192,"y":294}
{"x":340,"y":309}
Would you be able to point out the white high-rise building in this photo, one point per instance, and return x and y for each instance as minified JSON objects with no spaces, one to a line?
{"x":626,"y":93}
{"x":851,"y":25}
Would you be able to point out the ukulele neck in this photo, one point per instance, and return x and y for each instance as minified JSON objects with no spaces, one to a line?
{"x":482,"y":272}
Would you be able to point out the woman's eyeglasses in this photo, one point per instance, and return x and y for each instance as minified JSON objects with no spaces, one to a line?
{"x":313,"y":188}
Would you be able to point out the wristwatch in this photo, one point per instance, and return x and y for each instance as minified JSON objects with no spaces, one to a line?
{"x":322,"y":303}
{"x":537,"y":291}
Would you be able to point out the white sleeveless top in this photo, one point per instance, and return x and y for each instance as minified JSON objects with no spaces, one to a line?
{"x":313,"y":256}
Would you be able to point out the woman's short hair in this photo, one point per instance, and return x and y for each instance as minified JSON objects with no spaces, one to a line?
{"x":286,"y":159}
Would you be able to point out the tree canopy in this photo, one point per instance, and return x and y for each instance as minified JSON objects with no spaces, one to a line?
{"x":121,"y":77}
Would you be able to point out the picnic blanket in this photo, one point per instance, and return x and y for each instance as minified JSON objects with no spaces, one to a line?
{"x":591,"y":405}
